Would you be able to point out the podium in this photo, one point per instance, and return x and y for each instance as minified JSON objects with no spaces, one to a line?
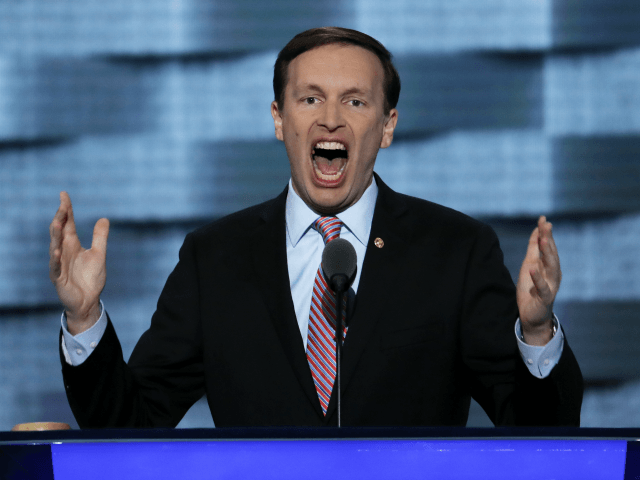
{"x":351,"y":453}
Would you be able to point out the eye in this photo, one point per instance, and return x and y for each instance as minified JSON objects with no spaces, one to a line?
{"x":311,"y":100}
{"x":356,"y":103}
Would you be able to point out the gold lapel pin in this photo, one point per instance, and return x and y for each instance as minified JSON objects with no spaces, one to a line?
{"x":378,"y":242}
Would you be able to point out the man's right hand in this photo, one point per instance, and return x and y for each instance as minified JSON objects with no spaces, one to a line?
{"x":78,"y":274}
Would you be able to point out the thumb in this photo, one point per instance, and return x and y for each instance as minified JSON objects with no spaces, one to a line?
{"x":100,"y":235}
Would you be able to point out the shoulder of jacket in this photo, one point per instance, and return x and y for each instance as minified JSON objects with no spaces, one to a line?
{"x":238,"y":223}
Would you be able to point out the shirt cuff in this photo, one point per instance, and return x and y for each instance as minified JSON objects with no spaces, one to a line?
{"x":76,"y":349}
{"x":541,"y":360}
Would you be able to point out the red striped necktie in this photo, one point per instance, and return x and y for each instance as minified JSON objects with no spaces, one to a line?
{"x":321,"y":344}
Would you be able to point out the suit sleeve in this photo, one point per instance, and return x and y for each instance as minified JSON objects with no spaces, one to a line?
{"x":498,"y":379}
{"x":164,"y":375}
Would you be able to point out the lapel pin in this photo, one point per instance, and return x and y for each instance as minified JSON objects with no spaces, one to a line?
{"x":378,"y":242}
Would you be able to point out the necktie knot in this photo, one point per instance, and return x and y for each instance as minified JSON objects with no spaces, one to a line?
{"x":329,"y":228}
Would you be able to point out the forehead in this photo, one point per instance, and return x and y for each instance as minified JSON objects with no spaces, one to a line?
{"x":336,"y":65}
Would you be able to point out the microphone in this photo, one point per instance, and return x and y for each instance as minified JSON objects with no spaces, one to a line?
{"x":339,"y":264}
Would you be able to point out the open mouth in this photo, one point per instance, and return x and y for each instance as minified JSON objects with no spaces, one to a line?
{"x":329,"y":160}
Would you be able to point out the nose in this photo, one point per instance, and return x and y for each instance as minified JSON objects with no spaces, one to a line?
{"x":331,"y":116}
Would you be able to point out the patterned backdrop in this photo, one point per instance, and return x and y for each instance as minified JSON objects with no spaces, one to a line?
{"x":155,"y":114}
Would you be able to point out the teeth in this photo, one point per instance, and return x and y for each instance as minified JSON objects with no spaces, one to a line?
{"x":330,"y":146}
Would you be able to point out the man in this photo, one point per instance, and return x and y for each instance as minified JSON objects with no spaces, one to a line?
{"x":241,"y":316}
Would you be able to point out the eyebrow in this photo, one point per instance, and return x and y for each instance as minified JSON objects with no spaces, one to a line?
{"x":350,"y":91}
{"x":356,"y":90}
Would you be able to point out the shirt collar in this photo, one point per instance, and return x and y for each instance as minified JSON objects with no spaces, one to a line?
{"x":357,"y":218}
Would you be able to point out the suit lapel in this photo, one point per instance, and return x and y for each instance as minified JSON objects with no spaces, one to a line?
{"x":374,"y":288}
{"x":270,"y":264}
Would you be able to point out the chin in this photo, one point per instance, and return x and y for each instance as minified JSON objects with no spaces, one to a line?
{"x":331,"y":205}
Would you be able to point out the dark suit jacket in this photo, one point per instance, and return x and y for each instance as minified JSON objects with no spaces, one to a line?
{"x":433,"y":325}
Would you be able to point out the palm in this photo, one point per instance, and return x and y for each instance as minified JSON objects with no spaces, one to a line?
{"x":82,"y":274}
{"x":78,"y":274}
{"x":539,"y":278}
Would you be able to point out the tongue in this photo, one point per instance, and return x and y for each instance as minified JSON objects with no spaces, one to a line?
{"x":329,"y":167}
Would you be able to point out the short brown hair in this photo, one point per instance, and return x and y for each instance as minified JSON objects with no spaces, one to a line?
{"x":317,"y":37}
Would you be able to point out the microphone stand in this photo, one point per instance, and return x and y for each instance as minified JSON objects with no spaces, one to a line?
{"x":341,"y":283}
{"x":339,"y":266}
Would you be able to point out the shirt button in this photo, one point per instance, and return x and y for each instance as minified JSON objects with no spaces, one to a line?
{"x":546,"y":362}
{"x":79,"y":351}
{"x":93,"y":345}
{"x":530,"y":361}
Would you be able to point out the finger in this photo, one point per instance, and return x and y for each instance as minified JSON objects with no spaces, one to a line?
{"x":70,"y":225}
{"x":60,"y":217}
{"x":549,"y":252}
{"x":100,"y":235}
{"x":545,"y":228}
{"x":533,"y":249}
{"x":58,"y":228}
{"x":542,"y":287}
{"x":552,"y":242}
{"x":549,"y":256}
{"x":545,"y":243}
{"x":56,"y":239}
{"x":55,"y":231}
{"x":55,"y":254}
{"x":55,"y":266}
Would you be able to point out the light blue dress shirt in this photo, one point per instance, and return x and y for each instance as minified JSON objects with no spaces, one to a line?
{"x":304,"y":253}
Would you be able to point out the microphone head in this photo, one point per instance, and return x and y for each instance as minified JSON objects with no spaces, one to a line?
{"x":339,"y":259}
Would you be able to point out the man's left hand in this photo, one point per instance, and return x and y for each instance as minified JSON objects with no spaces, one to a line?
{"x":538,"y":285}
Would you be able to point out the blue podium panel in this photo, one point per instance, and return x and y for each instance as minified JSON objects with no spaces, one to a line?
{"x":314,"y":453}
{"x":345,"y":458}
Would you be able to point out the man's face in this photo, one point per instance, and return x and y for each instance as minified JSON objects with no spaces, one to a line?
{"x":333,"y":123}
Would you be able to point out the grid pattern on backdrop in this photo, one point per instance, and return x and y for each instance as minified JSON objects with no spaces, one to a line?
{"x":156,"y":115}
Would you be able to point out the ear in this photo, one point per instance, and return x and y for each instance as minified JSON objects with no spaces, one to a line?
{"x":277,"y":120}
{"x":390,"y":123}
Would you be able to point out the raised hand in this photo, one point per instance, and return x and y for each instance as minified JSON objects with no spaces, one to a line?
{"x":78,"y":274}
{"x":538,"y":285}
